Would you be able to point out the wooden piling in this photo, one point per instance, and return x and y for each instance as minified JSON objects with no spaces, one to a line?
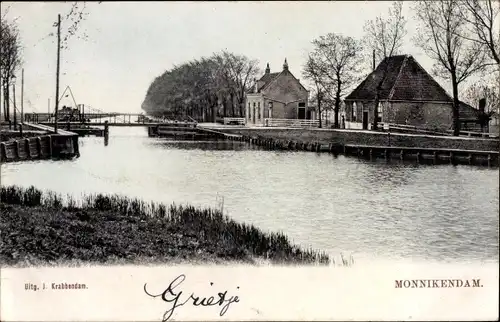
{"x":435,"y":157}
{"x":17,"y":156}
{"x":27,"y":147}
{"x":451,"y":157}
{"x":50,"y":145}
{"x":371,"y":154}
{"x":470,"y":158}
{"x":3,"y":151}
{"x":489,"y":159}
{"x":402,"y":154}
{"x":39,"y":147}
{"x":418,"y":157}
{"x":386,"y":154}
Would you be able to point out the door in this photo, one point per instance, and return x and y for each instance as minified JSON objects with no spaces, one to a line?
{"x":365,"y":120}
{"x":302,"y":113}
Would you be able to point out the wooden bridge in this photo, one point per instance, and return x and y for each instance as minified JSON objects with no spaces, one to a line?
{"x":98,"y":119}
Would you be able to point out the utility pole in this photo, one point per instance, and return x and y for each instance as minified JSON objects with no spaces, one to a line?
{"x":15,"y":107}
{"x":22,"y":96}
{"x":57,"y":72}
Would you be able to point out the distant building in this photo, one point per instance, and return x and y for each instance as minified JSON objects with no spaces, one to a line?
{"x":278,"y":96}
{"x":409,"y":95}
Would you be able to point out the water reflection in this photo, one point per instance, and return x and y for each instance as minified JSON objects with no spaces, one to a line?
{"x":334,"y":203}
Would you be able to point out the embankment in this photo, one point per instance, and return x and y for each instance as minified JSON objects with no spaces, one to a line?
{"x":351,"y":137}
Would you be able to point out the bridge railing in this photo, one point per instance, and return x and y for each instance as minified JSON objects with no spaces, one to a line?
{"x":291,"y":122}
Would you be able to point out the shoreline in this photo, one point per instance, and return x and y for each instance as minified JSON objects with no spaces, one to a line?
{"x":39,"y":228}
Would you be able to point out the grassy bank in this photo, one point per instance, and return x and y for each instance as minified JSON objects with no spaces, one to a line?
{"x":40,"y":227}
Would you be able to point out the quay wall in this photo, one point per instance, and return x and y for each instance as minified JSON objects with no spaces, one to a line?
{"x":350,"y":137}
{"x":41,"y":147}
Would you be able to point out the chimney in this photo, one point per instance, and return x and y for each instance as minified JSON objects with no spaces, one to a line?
{"x":285,"y":65}
{"x":374,"y":59}
{"x":482,"y":105}
{"x":268,"y":70}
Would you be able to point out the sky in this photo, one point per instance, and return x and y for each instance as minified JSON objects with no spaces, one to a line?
{"x":130,"y":43}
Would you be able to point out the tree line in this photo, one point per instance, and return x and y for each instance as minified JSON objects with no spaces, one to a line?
{"x":204,"y":88}
{"x":460,"y":36}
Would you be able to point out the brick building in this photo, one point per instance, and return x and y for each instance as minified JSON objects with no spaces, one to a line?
{"x":278,"y":96}
{"x":409,"y":96}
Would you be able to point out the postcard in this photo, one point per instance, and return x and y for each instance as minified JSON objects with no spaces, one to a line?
{"x":257,"y":161}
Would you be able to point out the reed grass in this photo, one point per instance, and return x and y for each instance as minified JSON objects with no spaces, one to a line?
{"x":98,"y":226}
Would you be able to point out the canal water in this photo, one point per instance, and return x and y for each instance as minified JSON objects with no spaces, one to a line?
{"x":370,"y":210}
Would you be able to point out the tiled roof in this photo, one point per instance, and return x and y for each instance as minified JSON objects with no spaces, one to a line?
{"x":266,"y":79}
{"x":406,"y":80}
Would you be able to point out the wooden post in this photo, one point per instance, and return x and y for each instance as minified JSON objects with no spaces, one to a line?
{"x":16,"y":150}
{"x":76,"y":147}
{"x":451,"y":157}
{"x":418,"y":157}
{"x":489,"y":159}
{"x":402,"y":154}
{"x":15,"y":107}
{"x":39,"y":147}
{"x":22,"y":95}
{"x":470,"y":158}
{"x":371,"y":154}
{"x":27,"y":147}
{"x":3,"y":151}
{"x":386,"y":154}
{"x":435,"y":157}
{"x":50,"y":145}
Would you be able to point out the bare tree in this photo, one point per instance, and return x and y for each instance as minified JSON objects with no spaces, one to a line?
{"x":482,"y":16}
{"x":238,"y":72}
{"x":338,"y":59}
{"x":385,"y":37}
{"x":10,"y":58}
{"x":455,"y":58}
{"x":312,"y":72}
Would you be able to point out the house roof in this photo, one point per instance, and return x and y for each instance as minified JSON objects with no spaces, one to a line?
{"x":467,"y":112}
{"x":405,"y":80}
{"x":267,"y":78}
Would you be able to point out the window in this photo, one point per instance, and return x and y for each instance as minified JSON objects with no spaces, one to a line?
{"x":302,"y":104}
{"x":248,"y":114}
{"x":258,"y":110}
{"x":353,"y":114}
{"x":380,"y":112}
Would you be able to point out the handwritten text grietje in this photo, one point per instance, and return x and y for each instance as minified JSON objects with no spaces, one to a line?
{"x":173,"y":296}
